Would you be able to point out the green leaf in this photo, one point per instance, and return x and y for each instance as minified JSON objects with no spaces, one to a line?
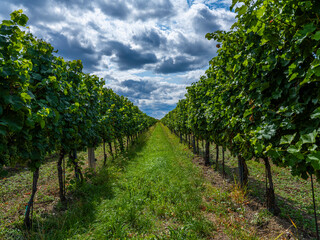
{"x":308,"y":28}
{"x":316,"y":36}
{"x":7,"y":22}
{"x":23,"y":20}
{"x":241,"y":10}
{"x":263,"y":41}
{"x":299,"y":144}
{"x":258,"y":147}
{"x":260,"y":12}
{"x":42,"y":123}
{"x":315,"y":114}
{"x":247,"y":112}
{"x":261,"y":30}
{"x":277,"y":93}
{"x":293,"y":149}
{"x":19,"y":17}
{"x":316,"y":71}
{"x":312,"y":148}
{"x":3,"y":130}
{"x":292,"y":67}
{"x":14,"y":100}
{"x":314,"y":159}
{"x":287,"y":139}
{"x":302,"y":34}
{"x":309,"y":138}
{"x":274,"y":154}
{"x":57,"y":115}
{"x":293,"y":76}
{"x":26,"y":97}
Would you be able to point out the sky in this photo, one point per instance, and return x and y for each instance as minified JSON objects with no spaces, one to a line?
{"x":146,"y":50}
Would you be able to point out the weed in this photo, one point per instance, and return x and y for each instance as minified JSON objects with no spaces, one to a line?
{"x":237,"y":193}
{"x":261,"y":217}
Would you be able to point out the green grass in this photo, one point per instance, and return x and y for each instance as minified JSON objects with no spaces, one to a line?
{"x":15,"y":189}
{"x":152,"y":192}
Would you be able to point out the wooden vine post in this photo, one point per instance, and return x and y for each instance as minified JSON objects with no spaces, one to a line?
{"x":29,"y":207}
{"x":270,"y":196}
{"x":61,"y":176}
{"x":223,"y":171}
{"x":91,"y":158}
{"x":217,"y":156}
{"x":243,"y":171}
{"x":207,"y":153}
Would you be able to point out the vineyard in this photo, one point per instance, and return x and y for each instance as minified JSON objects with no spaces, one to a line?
{"x":109,"y":171}
{"x":260,"y":96}
{"x":48,"y":105}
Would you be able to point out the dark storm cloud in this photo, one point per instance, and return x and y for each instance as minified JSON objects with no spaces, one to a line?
{"x":137,"y":89}
{"x":205,"y":22}
{"x":34,"y":4}
{"x":5,"y":11}
{"x":127,"y":58}
{"x":83,"y":3}
{"x":194,"y":47}
{"x":153,"y":9}
{"x":150,"y":39}
{"x":178,"y":64}
{"x":72,"y":50}
{"x":41,"y":10}
{"x":116,"y":9}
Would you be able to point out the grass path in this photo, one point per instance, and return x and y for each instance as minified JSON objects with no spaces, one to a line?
{"x":157,"y":195}
{"x":154,"y":192}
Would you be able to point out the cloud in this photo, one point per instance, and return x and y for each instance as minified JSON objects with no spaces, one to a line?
{"x":205,"y":21}
{"x":159,"y":9}
{"x":40,"y":11}
{"x":137,"y":89}
{"x":194,"y":47}
{"x":126,"y":57}
{"x":150,"y":39}
{"x":178,"y":64}
{"x":116,"y":9}
{"x":72,"y":49}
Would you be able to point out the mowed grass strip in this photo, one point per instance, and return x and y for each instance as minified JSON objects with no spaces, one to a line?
{"x":152,"y":192}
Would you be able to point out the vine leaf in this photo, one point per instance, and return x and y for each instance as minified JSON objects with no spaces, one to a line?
{"x":309,"y":138}
{"x":287,"y":139}
{"x":314,"y":159}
